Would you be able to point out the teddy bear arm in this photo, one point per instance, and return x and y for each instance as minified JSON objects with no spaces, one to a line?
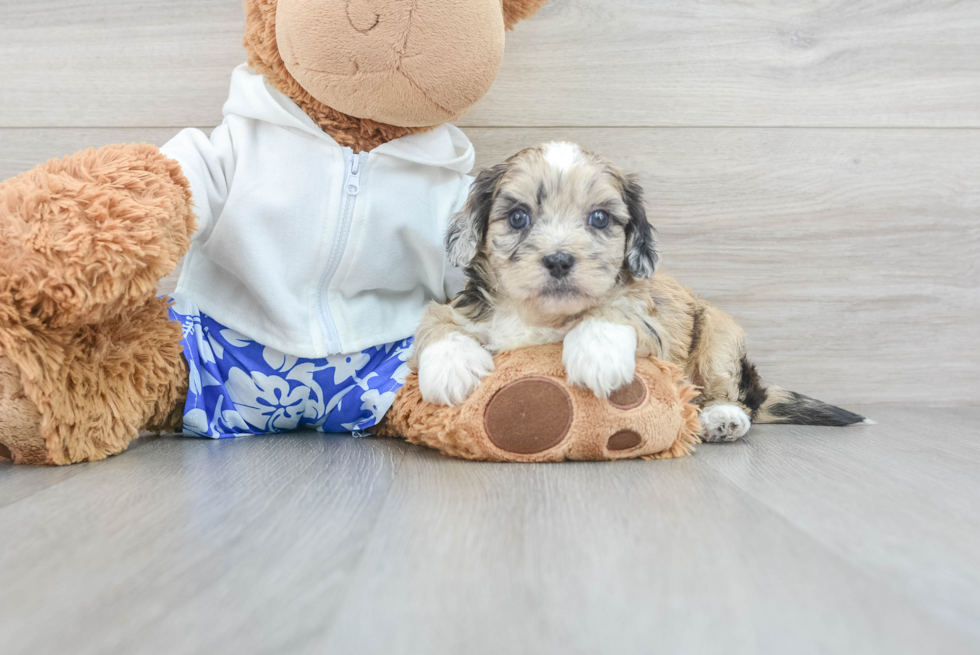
{"x":88,"y":236}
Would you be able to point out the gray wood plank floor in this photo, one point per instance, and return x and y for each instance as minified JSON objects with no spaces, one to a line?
{"x":858,"y":540}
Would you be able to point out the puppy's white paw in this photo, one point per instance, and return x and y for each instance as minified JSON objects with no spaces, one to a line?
{"x":600,"y":356}
{"x":451,"y":369}
{"x":724,"y":423}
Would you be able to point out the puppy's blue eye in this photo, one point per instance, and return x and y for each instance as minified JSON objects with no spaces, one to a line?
{"x":519,"y":219}
{"x":599,"y":220}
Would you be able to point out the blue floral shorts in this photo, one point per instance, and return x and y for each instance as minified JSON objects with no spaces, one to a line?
{"x":239,"y":387}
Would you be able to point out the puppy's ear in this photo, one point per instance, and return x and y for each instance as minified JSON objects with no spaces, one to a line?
{"x":468,"y":228}
{"x":642,"y":247}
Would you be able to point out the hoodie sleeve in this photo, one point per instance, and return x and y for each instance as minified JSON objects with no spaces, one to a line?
{"x":209,"y":165}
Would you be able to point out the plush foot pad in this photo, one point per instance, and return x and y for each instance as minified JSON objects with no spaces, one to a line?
{"x":526,"y":412}
{"x":529,"y":416}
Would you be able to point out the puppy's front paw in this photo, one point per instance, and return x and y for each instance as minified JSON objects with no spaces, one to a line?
{"x":724,"y":423}
{"x":451,"y":369}
{"x":600,"y":356}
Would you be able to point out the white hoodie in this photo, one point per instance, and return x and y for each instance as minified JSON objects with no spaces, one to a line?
{"x":304,"y":246}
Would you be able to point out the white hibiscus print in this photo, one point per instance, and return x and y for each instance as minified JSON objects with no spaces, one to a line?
{"x":196,"y":423}
{"x":234,"y":421}
{"x":304,"y":374}
{"x":277,"y":360}
{"x":204,"y":349}
{"x":346,"y":366}
{"x":377,"y":403}
{"x":193,"y":377}
{"x":216,"y":346}
{"x":401,"y":373}
{"x":266,"y":402}
{"x":209,"y":380}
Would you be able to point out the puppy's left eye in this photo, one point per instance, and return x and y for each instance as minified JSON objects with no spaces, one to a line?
{"x":599,"y":220}
{"x":519,"y":219}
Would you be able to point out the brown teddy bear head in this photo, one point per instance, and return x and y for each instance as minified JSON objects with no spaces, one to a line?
{"x":369,"y":71}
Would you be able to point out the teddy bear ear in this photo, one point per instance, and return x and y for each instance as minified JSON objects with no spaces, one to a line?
{"x":518,"y":10}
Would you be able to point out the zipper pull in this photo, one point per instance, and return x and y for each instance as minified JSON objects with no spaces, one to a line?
{"x":353,"y":184}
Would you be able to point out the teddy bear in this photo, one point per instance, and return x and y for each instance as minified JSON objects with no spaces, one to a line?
{"x":309,"y":223}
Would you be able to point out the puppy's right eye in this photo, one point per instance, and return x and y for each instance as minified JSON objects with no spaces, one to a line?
{"x":519,"y":219}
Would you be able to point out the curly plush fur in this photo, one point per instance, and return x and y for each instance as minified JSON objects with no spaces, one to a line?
{"x":131,"y":363}
{"x":89,"y":236}
{"x":84,"y":242}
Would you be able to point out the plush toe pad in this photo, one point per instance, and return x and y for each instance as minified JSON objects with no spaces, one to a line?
{"x":629,"y":397}
{"x":624,"y":440}
{"x":529,"y":416}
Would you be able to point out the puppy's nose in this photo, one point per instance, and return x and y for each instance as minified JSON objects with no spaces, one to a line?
{"x":559,"y":264}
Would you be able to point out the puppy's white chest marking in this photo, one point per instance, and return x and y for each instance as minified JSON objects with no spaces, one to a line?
{"x":506,"y":331}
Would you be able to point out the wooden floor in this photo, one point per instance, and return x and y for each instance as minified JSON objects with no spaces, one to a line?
{"x":797,"y":540}
{"x":813,"y":169}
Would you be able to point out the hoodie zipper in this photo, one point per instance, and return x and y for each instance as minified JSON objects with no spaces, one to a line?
{"x":354,"y":166}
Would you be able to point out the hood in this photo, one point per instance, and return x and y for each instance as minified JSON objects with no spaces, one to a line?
{"x":252,"y":97}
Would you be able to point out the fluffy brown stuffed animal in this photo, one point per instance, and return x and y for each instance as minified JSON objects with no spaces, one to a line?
{"x":89,"y":356}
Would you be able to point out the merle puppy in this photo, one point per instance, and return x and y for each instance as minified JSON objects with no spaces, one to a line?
{"x":557,"y":247}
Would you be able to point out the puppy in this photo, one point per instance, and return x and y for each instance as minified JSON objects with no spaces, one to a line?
{"x":557,"y":247}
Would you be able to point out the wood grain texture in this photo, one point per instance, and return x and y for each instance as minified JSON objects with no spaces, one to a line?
{"x":851,"y":257}
{"x":802,"y":540}
{"x":190,"y":546}
{"x":623,"y":558}
{"x":20,"y":482}
{"x":579,"y":62}
{"x":117,"y":63}
{"x":879,"y":497}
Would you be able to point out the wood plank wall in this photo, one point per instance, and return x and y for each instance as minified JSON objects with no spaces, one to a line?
{"x":813,"y":167}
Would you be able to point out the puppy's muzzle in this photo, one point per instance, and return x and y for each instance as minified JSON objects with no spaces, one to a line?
{"x":559,"y":264}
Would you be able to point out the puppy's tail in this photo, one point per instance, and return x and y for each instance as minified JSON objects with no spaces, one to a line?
{"x":782,"y":406}
{"x":775,"y":405}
